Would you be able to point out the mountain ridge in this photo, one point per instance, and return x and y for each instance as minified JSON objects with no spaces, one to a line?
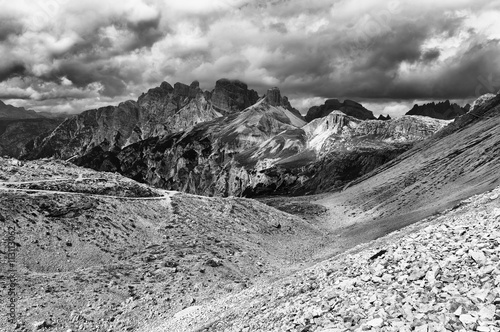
{"x":441,"y":110}
{"x":11,"y":112}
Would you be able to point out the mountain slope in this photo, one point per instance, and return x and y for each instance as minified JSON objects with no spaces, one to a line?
{"x":100,"y":252}
{"x":441,"y":274}
{"x":16,"y":133}
{"x":459,"y":161}
{"x":12,"y":112}
{"x":329,"y":152}
{"x":160,"y":111}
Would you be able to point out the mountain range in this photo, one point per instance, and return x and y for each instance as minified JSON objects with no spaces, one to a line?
{"x":230,"y":141}
{"x":442,"y":110}
{"x":12,"y":112}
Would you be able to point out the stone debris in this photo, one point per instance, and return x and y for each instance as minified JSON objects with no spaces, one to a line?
{"x":443,"y":275}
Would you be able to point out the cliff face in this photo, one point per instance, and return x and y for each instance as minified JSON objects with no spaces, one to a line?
{"x":160,"y":111}
{"x":347,"y":107}
{"x":443,"y":110}
{"x":211,"y":159}
{"x":231,"y":96}
{"x":15,"y":134}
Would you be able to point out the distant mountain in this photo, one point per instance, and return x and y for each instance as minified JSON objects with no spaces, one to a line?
{"x":336,"y":149}
{"x":347,"y":107}
{"x":205,"y":159}
{"x":214,"y":143}
{"x":459,"y":161}
{"x":443,"y":110}
{"x":12,"y":112}
{"x":265,"y":149}
{"x":161,"y":111}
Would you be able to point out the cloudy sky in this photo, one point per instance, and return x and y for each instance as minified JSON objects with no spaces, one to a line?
{"x":72,"y":55}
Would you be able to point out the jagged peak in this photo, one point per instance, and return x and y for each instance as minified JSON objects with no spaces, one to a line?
{"x":273,"y":96}
{"x":164,"y":89}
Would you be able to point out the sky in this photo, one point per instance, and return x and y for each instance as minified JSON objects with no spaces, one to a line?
{"x":70,"y":56}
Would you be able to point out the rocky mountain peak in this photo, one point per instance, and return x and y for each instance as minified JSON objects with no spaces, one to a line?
{"x":194,"y":85}
{"x":161,"y":91}
{"x":231,"y":96}
{"x":181,"y":89}
{"x":273,"y":96}
{"x":352,"y":103}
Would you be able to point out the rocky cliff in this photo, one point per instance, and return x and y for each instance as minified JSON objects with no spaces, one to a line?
{"x":160,"y":111}
{"x":348,"y":107}
{"x":231,"y":96}
{"x":212,"y":158}
{"x":16,"y":133}
{"x":443,"y":110}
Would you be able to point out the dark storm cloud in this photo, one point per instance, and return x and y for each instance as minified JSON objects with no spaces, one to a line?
{"x":385,"y":50}
{"x":10,"y":70}
{"x":431,"y":55}
{"x":8,"y":27}
{"x":83,"y":74}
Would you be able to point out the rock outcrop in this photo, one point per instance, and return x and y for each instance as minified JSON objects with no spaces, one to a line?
{"x":443,"y":110}
{"x":231,"y":96}
{"x":160,"y":111}
{"x":348,"y":107}
{"x":15,"y":134}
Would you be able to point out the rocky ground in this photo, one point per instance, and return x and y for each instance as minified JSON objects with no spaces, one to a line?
{"x":441,"y":274}
{"x":91,"y":258}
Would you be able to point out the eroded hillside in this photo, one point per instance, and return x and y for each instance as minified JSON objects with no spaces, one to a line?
{"x":96,"y":251}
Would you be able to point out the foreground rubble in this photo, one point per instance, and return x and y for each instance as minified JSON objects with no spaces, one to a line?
{"x":442,"y":274}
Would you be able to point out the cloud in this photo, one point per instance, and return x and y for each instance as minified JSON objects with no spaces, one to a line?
{"x":64,"y":54}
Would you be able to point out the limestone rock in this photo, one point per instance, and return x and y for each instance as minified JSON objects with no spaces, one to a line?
{"x":231,"y":96}
{"x":443,"y":110}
